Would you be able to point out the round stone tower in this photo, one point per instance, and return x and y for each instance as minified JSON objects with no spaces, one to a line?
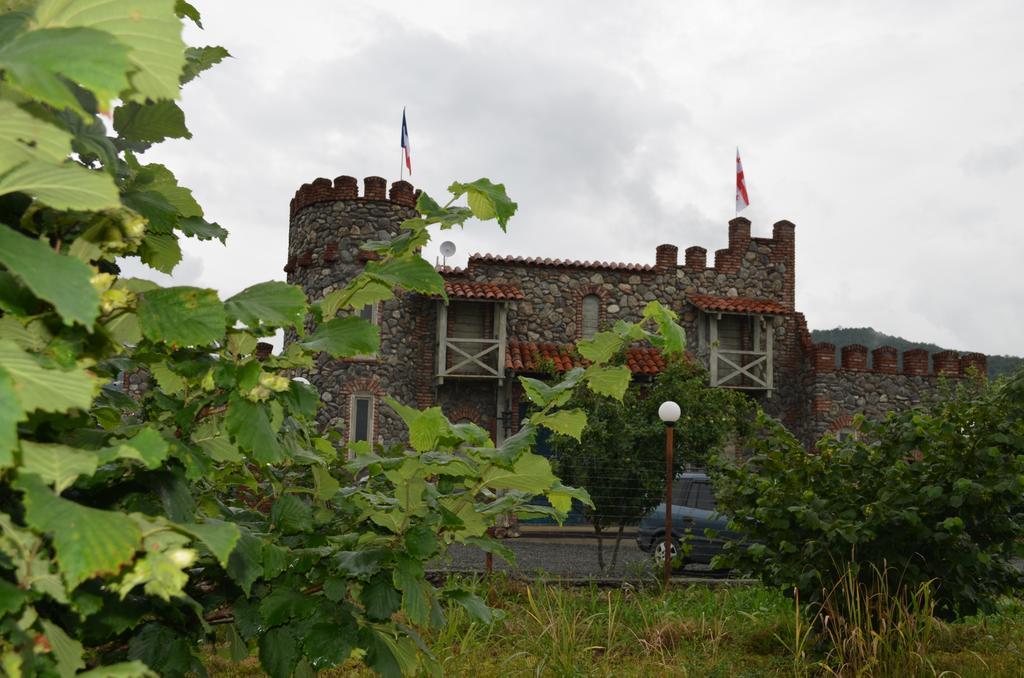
{"x":328,"y":224}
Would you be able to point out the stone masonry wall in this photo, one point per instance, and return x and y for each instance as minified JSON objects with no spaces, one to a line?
{"x":329,"y":222}
{"x":762,"y":268}
{"x":751,"y":267}
{"x":877,"y":387}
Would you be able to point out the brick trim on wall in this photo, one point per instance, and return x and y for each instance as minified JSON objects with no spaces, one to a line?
{"x":839,"y":423}
{"x":370,"y":386}
{"x":347,"y":188}
{"x":469,"y":412}
{"x":515,"y":397}
{"x":425,"y":335}
{"x":473,"y":413}
{"x":584,"y":291}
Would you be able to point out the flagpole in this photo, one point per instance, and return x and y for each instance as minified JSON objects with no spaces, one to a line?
{"x":401,"y":166}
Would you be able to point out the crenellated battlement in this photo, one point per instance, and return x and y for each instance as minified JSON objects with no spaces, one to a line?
{"x":730,"y":259}
{"x":330,"y":237}
{"x":885,"y":360}
{"x":347,"y":188}
{"x":767,"y":256}
{"x":875,"y":388}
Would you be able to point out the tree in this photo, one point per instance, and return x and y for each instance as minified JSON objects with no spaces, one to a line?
{"x":211,"y":506}
{"x":931,"y":495}
{"x":620,"y":458}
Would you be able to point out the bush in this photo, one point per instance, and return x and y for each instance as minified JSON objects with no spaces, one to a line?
{"x":928,"y":495}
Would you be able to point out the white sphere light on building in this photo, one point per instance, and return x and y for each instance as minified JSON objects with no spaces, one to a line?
{"x":669,"y":412}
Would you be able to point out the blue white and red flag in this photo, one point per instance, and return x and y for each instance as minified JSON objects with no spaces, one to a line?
{"x":405,"y":143}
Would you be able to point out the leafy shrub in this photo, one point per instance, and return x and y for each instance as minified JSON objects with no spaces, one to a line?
{"x":934,"y":494}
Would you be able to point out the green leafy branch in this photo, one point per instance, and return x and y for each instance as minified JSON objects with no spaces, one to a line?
{"x":207,"y":500}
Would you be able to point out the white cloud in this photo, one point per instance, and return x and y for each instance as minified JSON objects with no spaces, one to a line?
{"x":888,"y":134}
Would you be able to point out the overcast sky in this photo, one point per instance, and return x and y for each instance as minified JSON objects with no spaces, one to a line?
{"x":890,"y":133}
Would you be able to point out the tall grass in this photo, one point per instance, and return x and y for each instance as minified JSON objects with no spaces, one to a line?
{"x":796,"y":641}
{"x":872,"y":625}
{"x":565,"y":631}
{"x":869,"y":626}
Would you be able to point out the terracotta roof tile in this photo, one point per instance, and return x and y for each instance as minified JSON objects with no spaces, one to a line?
{"x":645,"y":360}
{"x":460,"y":289}
{"x":566,"y":263}
{"x":738,"y":305}
{"x":528,"y":356}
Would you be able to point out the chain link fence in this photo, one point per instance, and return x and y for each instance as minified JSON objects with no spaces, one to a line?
{"x":630,"y":514}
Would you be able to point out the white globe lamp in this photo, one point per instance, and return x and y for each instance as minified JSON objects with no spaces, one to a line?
{"x":669,"y":412}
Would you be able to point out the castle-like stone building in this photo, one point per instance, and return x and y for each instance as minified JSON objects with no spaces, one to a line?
{"x":511,"y":316}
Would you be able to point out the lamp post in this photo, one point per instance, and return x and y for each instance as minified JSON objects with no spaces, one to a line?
{"x":669,"y":413}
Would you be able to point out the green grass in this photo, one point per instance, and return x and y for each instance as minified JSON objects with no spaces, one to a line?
{"x":549,"y":630}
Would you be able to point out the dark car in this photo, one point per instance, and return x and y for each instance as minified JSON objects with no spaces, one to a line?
{"x":693,"y":512}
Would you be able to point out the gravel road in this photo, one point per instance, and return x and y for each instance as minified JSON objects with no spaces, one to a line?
{"x":567,"y":557}
{"x":558,"y":557}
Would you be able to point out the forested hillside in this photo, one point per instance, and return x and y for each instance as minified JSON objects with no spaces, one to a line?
{"x":872,"y":338}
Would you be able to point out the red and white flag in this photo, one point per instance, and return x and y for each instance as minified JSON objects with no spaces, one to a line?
{"x":742,"y":200}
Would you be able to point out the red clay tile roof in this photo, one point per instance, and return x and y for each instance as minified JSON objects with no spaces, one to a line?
{"x":645,"y":360}
{"x":738,"y":305}
{"x":567,"y":263}
{"x":528,"y":356}
{"x":460,"y":289}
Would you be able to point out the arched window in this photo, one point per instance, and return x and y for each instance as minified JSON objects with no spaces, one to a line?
{"x":591,"y":313}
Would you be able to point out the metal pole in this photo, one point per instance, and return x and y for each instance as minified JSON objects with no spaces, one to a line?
{"x":668,"y":502}
{"x":488,"y":556}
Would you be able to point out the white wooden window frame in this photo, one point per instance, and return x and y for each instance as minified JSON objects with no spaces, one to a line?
{"x":732,"y":358}
{"x":462,"y":356}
